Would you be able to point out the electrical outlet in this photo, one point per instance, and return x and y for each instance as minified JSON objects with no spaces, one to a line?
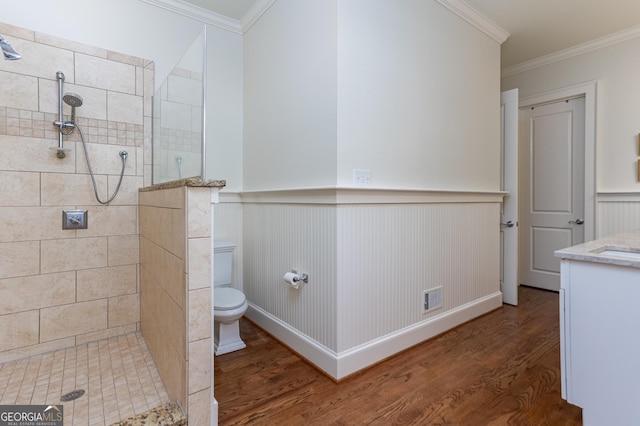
{"x":74,"y":219}
{"x":361,"y":177}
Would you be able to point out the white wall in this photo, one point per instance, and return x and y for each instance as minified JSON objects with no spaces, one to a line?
{"x":290,"y":96}
{"x":418,"y":97}
{"x":407,"y":90}
{"x":224,"y":108}
{"x":616,"y":70}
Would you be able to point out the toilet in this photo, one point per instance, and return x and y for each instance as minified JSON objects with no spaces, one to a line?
{"x":229,"y":304}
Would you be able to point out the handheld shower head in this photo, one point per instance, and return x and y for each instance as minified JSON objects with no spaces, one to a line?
{"x":72,"y":99}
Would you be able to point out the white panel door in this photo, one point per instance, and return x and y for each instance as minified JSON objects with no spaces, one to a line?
{"x":509,"y":208}
{"x":551,"y":188}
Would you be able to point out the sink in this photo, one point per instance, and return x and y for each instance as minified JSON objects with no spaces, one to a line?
{"x":621,"y":253}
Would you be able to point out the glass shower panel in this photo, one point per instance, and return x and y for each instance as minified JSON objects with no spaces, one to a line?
{"x":178,"y":110}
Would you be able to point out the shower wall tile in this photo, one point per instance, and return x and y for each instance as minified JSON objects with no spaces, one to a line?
{"x":171,"y":321}
{"x":199,"y":263}
{"x":128,"y":194}
{"x":139,"y":81}
{"x":12,"y":30}
{"x":36,"y":291}
{"x":125,"y":108}
{"x":106,"y":333}
{"x":71,"y":189}
{"x":32,"y":223}
{"x":175,"y":295}
{"x":199,"y":407}
{"x":73,"y":254}
{"x":86,"y":280}
{"x":173,"y":198}
{"x":24,"y":92}
{"x":179,"y":245}
{"x":70,"y":45}
{"x":28,"y":350}
{"x":110,"y":220}
{"x":19,"y":259}
{"x":199,"y":365}
{"x":105,"y":74}
{"x":157,"y":225}
{"x":106,"y":282}
{"x":94,"y":102}
{"x":39,"y":60}
{"x":199,"y":314}
{"x":199,"y":207}
{"x":18,"y":330}
{"x":19,"y":189}
{"x":71,"y":320}
{"x":165,"y":269}
{"x":32,"y":155}
{"x":124,"y":310}
{"x":127,"y":59}
{"x":123,"y":250}
{"x":173,"y":279}
{"x":105,"y":159}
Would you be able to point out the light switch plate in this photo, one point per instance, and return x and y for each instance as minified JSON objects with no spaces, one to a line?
{"x":74,"y":219}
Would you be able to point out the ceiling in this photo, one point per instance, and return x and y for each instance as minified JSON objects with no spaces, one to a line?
{"x":536,"y":27}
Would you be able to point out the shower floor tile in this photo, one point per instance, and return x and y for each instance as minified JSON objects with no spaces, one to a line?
{"x":118,"y":375}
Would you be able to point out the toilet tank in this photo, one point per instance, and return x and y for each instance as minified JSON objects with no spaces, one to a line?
{"x":222,"y":263}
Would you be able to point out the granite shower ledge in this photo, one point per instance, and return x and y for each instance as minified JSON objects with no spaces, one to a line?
{"x":192,"y":182}
{"x":600,"y":251}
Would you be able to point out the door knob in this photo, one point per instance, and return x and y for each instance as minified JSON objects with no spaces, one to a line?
{"x":509,"y":224}
{"x":577,"y":221}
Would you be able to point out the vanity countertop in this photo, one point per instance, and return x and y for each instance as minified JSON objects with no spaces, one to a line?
{"x":620,"y":249}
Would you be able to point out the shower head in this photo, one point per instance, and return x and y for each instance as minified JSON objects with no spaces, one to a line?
{"x":72,"y":99}
{"x":8,"y":52}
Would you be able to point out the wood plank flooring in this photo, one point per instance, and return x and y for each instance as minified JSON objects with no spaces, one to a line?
{"x":500,"y":369}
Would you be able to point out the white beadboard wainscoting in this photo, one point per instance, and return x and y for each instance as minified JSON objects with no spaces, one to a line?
{"x":370,"y":254}
{"x":617,"y":212}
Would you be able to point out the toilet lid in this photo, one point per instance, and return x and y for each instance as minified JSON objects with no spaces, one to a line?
{"x":227,"y":298}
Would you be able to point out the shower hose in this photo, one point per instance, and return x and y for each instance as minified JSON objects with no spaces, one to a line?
{"x":123,"y":154}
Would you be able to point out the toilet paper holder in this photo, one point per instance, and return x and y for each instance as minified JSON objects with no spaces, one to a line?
{"x":302,"y":277}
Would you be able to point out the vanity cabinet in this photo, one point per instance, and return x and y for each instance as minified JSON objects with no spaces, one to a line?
{"x":600,"y":331}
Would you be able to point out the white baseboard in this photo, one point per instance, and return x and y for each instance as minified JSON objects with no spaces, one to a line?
{"x":214,"y":412}
{"x":319,"y":355}
{"x":348,"y":362}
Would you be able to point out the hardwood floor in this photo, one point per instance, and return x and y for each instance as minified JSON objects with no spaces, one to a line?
{"x":500,"y":369}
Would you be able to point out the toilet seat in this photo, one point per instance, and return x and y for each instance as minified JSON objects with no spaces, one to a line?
{"x":227,"y":298}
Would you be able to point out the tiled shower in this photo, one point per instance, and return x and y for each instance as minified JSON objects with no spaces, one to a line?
{"x":61,"y":289}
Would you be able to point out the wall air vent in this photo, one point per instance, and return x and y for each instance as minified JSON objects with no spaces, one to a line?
{"x":432,"y":299}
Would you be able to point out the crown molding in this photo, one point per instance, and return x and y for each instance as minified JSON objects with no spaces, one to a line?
{"x":211,"y":18}
{"x":198,"y":13}
{"x":475,"y":18}
{"x":579,"y":49}
{"x":254,"y":13}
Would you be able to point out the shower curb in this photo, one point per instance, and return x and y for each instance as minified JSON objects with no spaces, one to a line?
{"x":168,"y":414}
